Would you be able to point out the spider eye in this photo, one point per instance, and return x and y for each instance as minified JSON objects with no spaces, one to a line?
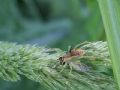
{"x":63,"y":63}
{"x":60,"y":58}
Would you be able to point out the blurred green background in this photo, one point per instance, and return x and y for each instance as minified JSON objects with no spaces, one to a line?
{"x":51,"y":23}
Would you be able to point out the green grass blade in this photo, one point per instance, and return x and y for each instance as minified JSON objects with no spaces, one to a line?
{"x":110,"y":10}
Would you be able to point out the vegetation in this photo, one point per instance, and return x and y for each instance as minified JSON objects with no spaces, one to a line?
{"x":90,"y":72}
{"x":111,"y":17}
{"x":58,"y":24}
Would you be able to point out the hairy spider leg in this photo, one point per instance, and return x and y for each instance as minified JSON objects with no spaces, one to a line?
{"x":70,"y":48}
{"x":64,"y":66}
{"x":86,"y":42}
{"x":71,"y":68}
{"x":54,"y":66}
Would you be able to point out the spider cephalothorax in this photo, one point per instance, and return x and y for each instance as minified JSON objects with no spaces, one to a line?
{"x":72,"y":53}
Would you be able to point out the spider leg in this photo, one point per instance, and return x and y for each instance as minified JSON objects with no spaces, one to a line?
{"x":88,"y":57}
{"x":70,"y":48}
{"x":64,"y":66}
{"x":54,"y":66}
{"x":77,"y":46}
{"x":71,"y":68}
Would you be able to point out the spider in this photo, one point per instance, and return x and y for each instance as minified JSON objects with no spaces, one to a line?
{"x":68,"y":59}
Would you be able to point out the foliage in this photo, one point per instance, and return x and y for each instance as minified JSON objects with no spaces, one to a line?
{"x":53,"y":23}
{"x":111,"y":18}
{"x":40,"y":64}
{"x":23,"y":21}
